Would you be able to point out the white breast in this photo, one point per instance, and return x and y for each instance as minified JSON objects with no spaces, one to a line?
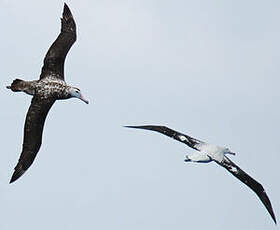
{"x":199,"y":157}
{"x":214,"y":151}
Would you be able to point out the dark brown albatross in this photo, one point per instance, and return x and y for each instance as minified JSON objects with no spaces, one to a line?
{"x":49,"y":88}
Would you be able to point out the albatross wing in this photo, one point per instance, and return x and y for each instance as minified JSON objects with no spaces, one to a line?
{"x":250,"y":182}
{"x":226,"y":162}
{"x":33,"y":130}
{"x":190,"y":141}
{"x":55,"y":57}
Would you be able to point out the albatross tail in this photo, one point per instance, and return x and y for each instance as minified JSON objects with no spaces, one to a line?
{"x":17,"y":85}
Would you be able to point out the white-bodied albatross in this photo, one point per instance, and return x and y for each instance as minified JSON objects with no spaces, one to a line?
{"x":208,"y":152}
{"x":49,"y":88}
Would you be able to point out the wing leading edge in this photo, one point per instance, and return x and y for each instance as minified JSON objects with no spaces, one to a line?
{"x":190,"y":141}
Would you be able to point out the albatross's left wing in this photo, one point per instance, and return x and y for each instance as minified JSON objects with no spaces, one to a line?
{"x":190,"y":141}
{"x":250,"y":182}
{"x":33,"y":130}
{"x":55,"y":57}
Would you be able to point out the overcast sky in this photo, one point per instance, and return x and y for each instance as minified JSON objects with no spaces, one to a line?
{"x":209,"y":69}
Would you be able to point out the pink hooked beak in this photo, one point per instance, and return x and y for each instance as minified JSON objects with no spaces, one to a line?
{"x":83,"y":99}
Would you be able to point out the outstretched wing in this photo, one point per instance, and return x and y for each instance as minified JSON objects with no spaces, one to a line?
{"x":55,"y":57}
{"x":250,"y":182}
{"x":33,"y":130}
{"x":190,"y":141}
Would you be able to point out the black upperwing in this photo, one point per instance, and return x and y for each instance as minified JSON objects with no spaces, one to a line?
{"x":55,"y":57}
{"x":250,"y":182}
{"x":33,"y":130}
{"x":190,"y":141}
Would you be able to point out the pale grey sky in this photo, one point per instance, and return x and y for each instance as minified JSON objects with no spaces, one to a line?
{"x":209,"y":69}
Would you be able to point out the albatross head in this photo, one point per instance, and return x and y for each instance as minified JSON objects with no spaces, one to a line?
{"x":227,"y":151}
{"x":75,"y":92}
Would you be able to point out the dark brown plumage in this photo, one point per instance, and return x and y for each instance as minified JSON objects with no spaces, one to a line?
{"x":49,"y":88}
{"x":55,"y":57}
{"x":33,"y":131}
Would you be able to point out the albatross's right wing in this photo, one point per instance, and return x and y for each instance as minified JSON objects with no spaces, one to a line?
{"x":250,"y":182}
{"x":33,"y":130}
{"x":190,"y":141}
{"x":55,"y":57}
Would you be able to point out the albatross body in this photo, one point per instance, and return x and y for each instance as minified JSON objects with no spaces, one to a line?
{"x":208,"y":152}
{"x":45,"y":91}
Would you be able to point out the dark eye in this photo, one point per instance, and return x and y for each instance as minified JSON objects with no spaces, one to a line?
{"x":77,"y":91}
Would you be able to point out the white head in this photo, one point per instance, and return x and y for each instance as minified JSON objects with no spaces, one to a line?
{"x":75,"y":92}
{"x":227,"y":151}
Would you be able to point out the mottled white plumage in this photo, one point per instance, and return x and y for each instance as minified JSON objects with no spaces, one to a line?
{"x":45,"y":91}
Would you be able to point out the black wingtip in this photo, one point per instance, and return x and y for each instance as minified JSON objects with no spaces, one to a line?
{"x":19,"y":171}
{"x":270,"y":210}
{"x":140,"y":126}
{"x":67,"y":21}
{"x":66,"y":11}
{"x":15,"y":176}
{"x":13,"y":179}
{"x":66,"y":7}
{"x":274,"y":219}
{"x":130,"y":126}
{"x":156,"y":128}
{"x":265,"y":200}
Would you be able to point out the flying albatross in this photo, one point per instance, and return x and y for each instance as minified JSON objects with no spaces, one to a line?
{"x":209,"y":152}
{"x":49,"y":88}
